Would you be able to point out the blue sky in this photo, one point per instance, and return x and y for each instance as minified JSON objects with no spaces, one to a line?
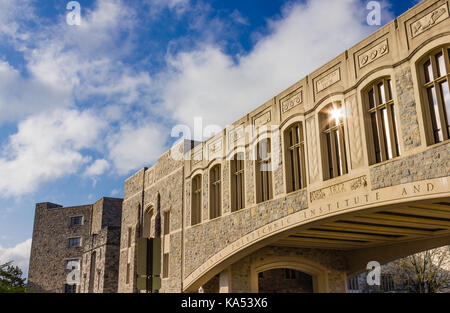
{"x":83,"y":107}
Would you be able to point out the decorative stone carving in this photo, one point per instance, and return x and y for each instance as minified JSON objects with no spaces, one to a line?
{"x":328,"y":80}
{"x":150,"y":178}
{"x":373,"y":54}
{"x":197,"y":156}
{"x":291,"y":101}
{"x":345,"y":187}
{"x":235,"y":134}
{"x":263,"y":119}
{"x":317,"y":195}
{"x":355,"y":132}
{"x":358,"y":183}
{"x":312,"y":149}
{"x":429,"y":20}
{"x":214,"y":149}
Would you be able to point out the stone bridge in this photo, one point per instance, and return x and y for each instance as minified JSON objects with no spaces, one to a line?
{"x":358,"y":157}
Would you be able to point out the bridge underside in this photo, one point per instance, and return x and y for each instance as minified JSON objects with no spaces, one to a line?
{"x":375,"y":227}
{"x":349,"y":240}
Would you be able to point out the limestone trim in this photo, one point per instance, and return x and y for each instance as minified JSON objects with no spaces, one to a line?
{"x":318,"y":272}
{"x":323,"y":210}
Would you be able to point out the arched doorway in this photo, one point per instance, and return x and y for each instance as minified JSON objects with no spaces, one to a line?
{"x":309,"y":276}
{"x":284,"y":280}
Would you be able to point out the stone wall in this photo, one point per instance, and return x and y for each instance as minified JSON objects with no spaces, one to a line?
{"x":409,"y":125}
{"x":432,"y":163}
{"x":227,"y":229}
{"x":50,"y":249}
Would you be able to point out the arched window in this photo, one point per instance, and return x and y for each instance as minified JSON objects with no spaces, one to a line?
{"x":215,"y":193}
{"x":237,"y":182}
{"x":382,"y":133}
{"x":147,"y":222}
{"x":196,"y":200}
{"x":434,"y":72}
{"x":333,"y":141}
{"x":295,"y":157}
{"x":263,"y":171}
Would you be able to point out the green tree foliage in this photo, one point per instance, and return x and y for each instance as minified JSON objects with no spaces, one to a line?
{"x":11,"y":280}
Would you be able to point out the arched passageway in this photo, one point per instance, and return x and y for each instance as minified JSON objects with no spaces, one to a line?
{"x":284,"y":280}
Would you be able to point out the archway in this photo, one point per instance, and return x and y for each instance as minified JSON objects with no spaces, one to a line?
{"x":312,"y":277}
{"x":284,"y":280}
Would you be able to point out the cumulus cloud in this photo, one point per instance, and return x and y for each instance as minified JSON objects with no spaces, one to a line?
{"x":47,"y":146}
{"x":97,"y":168}
{"x":209,"y":83}
{"x":134,"y":147}
{"x":179,"y":6}
{"x":20,"y":254}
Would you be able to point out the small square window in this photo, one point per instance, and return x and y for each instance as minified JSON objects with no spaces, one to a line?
{"x":76,"y":220}
{"x":74,"y":242}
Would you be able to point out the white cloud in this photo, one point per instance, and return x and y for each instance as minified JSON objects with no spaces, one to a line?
{"x":97,"y":168}
{"x":209,"y":83}
{"x":20,"y":97}
{"x":20,"y":254}
{"x":46,"y":147}
{"x":133,"y":147}
{"x":12,"y":13}
{"x":178,"y":6}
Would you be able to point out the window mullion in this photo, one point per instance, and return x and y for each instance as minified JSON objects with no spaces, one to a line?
{"x":343,"y":153}
{"x":442,"y":115}
{"x":391,"y":130}
{"x":381,"y":135}
{"x":303,"y":165}
{"x":368,"y":120}
{"x":333,"y":153}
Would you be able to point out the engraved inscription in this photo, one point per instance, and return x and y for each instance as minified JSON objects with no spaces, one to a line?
{"x":263,"y":119}
{"x":328,"y":80}
{"x":349,"y":186}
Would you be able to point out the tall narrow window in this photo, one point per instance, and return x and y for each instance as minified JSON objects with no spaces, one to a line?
{"x":165,"y":273}
{"x":333,"y":141}
{"x":128,"y":273}
{"x":166,"y":222}
{"x":215,"y":202}
{"x":237,"y":182}
{"x":92,"y":271}
{"x":130,"y":232}
{"x":435,"y":76}
{"x":147,"y":225}
{"x":381,"y":121}
{"x":196,"y":200}
{"x":263,"y":171}
{"x":295,"y":157}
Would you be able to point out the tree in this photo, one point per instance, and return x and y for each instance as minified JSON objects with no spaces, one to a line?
{"x":424,"y":272}
{"x":11,"y":278}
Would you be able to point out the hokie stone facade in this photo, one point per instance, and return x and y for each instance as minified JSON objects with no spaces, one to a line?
{"x":54,"y":262}
{"x":237,"y":250}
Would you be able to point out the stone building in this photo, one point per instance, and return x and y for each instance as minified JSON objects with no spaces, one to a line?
{"x":69,"y":241}
{"x":348,"y":165}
